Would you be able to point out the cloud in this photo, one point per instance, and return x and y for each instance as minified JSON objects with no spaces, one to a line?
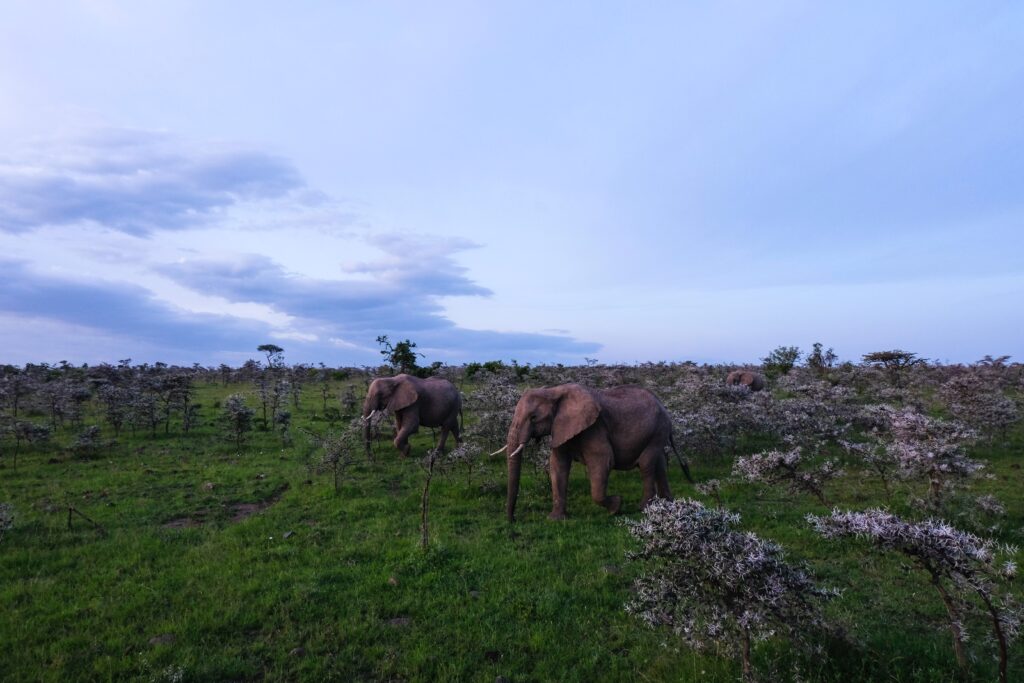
{"x":135,"y":182}
{"x":127,"y":313}
{"x":79,"y":205}
{"x":403,"y":302}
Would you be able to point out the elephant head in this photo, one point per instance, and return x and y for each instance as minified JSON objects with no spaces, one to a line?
{"x":387,"y":394}
{"x":563,"y":412}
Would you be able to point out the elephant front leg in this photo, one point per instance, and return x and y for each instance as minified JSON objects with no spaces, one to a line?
{"x":407,"y":426}
{"x":558,"y":467}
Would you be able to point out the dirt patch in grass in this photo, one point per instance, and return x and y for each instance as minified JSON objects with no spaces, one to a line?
{"x":238,"y":512}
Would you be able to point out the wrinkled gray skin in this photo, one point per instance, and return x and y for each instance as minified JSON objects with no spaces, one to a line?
{"x":747,"y":378}
{"x":618,"y":428}
{"x":431,"y":402}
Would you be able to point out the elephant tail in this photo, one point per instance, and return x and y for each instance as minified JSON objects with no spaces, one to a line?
{"x":682,"y":463}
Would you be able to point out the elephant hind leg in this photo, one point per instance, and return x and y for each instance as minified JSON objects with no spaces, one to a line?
{"x":654,"y":470}
{"x":444,"y":438}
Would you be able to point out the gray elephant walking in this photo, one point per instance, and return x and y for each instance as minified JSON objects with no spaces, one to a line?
{"x":618,"y":428}
{"x":431,"y":402}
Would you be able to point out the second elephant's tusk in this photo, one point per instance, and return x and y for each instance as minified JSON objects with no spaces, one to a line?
{"x":503,"y":448}
{"x":516,"y":451}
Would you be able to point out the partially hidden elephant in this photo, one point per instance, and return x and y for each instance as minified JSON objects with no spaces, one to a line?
{"x":753,"y":380}
{"x":431,"y":402}
{"x":618,"y":428}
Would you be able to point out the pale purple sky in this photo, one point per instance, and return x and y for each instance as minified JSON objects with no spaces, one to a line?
{"x":183,"y":181}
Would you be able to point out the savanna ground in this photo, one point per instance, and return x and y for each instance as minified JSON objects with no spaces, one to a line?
{"x":193,"y":559}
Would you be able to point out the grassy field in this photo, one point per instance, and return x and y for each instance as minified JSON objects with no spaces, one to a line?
{"x":213,"y":563}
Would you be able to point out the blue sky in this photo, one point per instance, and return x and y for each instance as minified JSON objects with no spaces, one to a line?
{"x":183,"y":181}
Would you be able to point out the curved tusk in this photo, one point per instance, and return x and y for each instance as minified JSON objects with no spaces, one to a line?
{"x":370,"y":416}
{"x":516,"y":451}
{"x":498,"y":451}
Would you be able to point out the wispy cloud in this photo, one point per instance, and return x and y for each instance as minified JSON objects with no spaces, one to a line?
{"x":134,"y":182}
{"x":122,"y":311}
{"x":96,"y":223}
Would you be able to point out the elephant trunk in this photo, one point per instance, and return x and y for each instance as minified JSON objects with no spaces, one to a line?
{"x":515,"y":466}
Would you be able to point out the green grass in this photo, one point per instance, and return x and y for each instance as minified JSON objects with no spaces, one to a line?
{"x":538,"y":601}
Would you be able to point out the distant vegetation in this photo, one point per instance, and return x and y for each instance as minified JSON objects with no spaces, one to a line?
{"x":852,"y":521}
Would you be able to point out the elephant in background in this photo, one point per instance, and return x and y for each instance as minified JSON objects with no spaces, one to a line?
{"x":752,"y":380}
{"x":618,"y":428}
{"x":431,"y":402}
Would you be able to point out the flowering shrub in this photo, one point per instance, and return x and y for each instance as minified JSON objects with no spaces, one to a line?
{"x":338,"y":448}
{"x":714,"y":585}
{"x":492,"y":406}
{"x":926,"y":448}
{"x":959,"y":564}
{"x":787,"y":467}
{"x":980,"y":404}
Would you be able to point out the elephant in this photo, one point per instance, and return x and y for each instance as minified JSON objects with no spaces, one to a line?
{"x":752,"y":380}
{"x":431,"y":402}
{"x":618,"y":428}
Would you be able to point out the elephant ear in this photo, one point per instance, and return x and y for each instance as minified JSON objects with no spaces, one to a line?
{"x":576,"y":411}
{"x":403,"y":396}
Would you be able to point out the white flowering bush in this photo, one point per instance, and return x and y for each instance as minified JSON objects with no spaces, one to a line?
{"x":979,"y":403}
{"x":337,"y":448}
{"x":492,"y":405}
{"x":789,"y":468}
{"x":967,"y":571}
{"x":925,"y":448}
{"x":716,"y":586}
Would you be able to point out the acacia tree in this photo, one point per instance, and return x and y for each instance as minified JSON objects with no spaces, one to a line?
{"x":714,"y":585}
{"x":275,"y":354}
{"x":895,"y":363}
{"x":959,"y":565}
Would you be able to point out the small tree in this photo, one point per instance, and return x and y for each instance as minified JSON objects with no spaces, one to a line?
{"x":780,"y":361}
{"x":28,"y":432}
{"x":237,"y":418}
{"x":821,"y":361}
{"x":790,"y":468}
{"x":959,"y":565}
{"x":714,"y":585}
{"x":434,"y":462}
{"x":400,"y":356}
